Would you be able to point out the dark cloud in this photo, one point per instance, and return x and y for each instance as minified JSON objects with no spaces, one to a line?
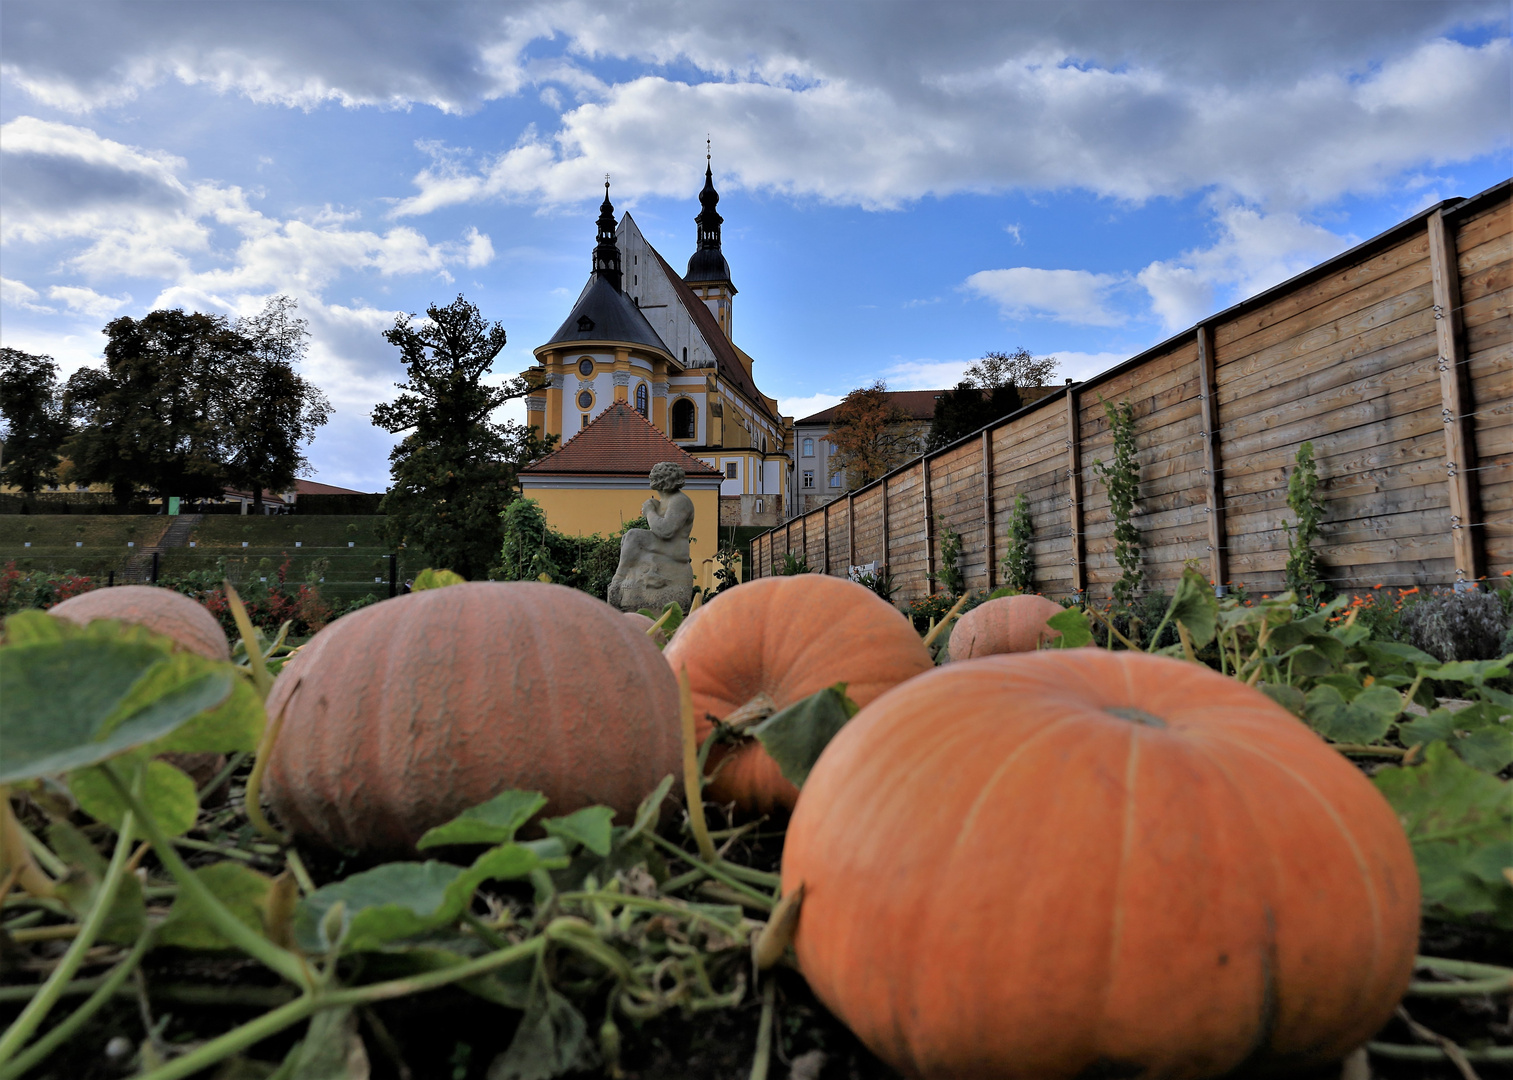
{"x":36,"y":183}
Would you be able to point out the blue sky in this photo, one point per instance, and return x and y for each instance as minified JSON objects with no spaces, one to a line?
{"x":905,"y":185}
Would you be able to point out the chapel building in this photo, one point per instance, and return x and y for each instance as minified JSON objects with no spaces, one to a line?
{"x":663,"y":344}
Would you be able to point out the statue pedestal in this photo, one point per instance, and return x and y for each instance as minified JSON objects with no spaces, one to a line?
{"x":652,"y":581}
{"x":655,"y":569}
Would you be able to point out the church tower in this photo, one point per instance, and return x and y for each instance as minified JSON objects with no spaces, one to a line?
{"x":708,"y":272}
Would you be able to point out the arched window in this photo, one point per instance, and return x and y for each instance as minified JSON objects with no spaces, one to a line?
{"x":641,"y":399}
{"x":683,"y":419}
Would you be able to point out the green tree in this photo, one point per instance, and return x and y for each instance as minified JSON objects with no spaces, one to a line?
{"x":276,"y":410}
{"x":1017,"y":368}
{"x":454,"y":471}
{"x":969,"y":408}
{"x":155,"y":417}
{"x":31,"y":413}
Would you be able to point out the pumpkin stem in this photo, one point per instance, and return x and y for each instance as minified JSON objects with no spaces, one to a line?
{"x":1138,"y":716}
{"x":693,"y":787}
{"x":758,"y":708}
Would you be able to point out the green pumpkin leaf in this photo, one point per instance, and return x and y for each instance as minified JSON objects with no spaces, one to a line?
{"x":240,"y":888}
{"x":552,"y":1039}
{"x":1196,"y":607}
{"x":493,"y":822}
{"x":235,"y":724}
{"x":1458,"y":820}
{"x":1475,"y":672}
{"x":1364,"y":719}
{"x":1289,"y":697}
{"x":81,"y":885}
{"x":1438,"y":726}
{"x":167,"y":792}
{"x":436,"y":579}
{"x":1388,"y":656}
{"x":1489,"y":749}
{"x":80,"y":700}
{"x":1073,"y":626}
{"x":796,"y":736}
{"x":404,"y":899}
{"x":590,"y":827}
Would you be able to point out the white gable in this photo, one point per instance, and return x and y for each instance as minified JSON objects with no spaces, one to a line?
{"x":645,"y":282}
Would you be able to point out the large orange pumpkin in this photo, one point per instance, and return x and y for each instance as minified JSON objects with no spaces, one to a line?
{"x":1008,"y":624}
{"x":1053,"y":864}
{"x":401,"y":715}
{"x":787,"y":638}
{"x":162,"y":611}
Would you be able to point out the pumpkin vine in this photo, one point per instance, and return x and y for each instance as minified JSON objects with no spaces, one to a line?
{"x":1121,"y":478}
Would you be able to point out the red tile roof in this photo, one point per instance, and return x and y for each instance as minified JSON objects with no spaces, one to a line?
{"x":920,"y":404}
{"x":310,"y":487}
{"x":618,"y":442}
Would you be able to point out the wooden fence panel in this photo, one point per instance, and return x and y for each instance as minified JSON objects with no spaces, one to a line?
{"x":1347,"y":356}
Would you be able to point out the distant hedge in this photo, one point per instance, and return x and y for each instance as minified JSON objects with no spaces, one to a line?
{"x":337,"y":504}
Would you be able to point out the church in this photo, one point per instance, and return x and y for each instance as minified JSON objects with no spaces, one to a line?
{"x":662,"y":345}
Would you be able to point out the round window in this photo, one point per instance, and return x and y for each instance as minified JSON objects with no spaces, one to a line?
{"x":585,"y":399}
{"x":585,"y":366}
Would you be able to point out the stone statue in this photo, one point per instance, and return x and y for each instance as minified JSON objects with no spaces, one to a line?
{"x":655,"y":568}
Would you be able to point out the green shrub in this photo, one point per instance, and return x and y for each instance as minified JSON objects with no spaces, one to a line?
{"x":1470,"y":625}
{"x":532,"y":548}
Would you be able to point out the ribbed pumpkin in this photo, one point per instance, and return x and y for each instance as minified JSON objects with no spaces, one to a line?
{"x":787,"y":637}
{"x":401,"y":715}
{"x":162,"y":611}
{"x":1057,"y":864}
{"x":1006,"y":625}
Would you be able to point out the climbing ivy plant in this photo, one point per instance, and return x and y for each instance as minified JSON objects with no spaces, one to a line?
{"x":1019,"y":560}
{"x":1121,"y":477}
{"x":1302,"y":572}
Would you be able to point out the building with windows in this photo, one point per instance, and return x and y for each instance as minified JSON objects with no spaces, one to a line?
{"x":663,"y":344}
{"x":818,"y":478}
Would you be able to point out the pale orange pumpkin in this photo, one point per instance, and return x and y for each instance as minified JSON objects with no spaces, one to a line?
{"x":398,"y":717}
{"x":781,"y":639}
{"x":1055,"y":864}
{"x":162,"y":611}
{"x":1006,"y":625}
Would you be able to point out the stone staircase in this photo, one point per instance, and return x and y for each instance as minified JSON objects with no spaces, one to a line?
{"x":137,"y":569}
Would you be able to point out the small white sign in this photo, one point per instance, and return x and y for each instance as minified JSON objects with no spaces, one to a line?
{"x":351,"y":543}
{"x":378,"y":579}
{"x":298,"y":543}
{"x":262,"y":579}
{"x":131,"y":543}
{"x":244,"y":543}
{"x":78,"y":543}
{"x":28,"y":543}
{"x":191,"y":543}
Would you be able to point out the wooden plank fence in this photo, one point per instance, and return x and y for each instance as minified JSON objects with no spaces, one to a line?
{"x":1395,"y":359}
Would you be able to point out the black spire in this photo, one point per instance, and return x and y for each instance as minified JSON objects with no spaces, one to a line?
{"x":607,"y":251}
{"x":708,"y":263}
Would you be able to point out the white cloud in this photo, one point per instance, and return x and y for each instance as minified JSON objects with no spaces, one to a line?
{"x":798,"y":407}
{"x":83,"y":301}
{"x":19,"y":294}
{"x":1254,"y":251}
{"x":1071,"y":296}
{"x":1131,"y":101}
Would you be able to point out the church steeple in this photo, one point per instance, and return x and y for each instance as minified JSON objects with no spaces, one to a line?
{"x":708,"y":262}
{"x":607,"y":250}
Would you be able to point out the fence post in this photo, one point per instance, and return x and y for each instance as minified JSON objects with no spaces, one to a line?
{"x":1218,"y":561}
{"x":393,"y":575}
{"x":885,"y":557}
{"x":1455,"y":402}
{"x":850,"y":531}
{"x":110,"y":579}
{"x":924,"y":473}
{"x":1074,"y":485}
{"x":825,"y":523}
{"x":804,"y":538}
{"x":990,"y":546}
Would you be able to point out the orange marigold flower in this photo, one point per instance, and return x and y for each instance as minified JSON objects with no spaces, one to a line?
{"x":1407,"y":592}
{"x":1376,"y":586}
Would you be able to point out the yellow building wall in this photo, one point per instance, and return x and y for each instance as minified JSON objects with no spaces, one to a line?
{"x":583,"y":511}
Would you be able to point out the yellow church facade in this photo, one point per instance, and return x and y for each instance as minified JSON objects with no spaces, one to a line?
{"x":643,"y":336}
